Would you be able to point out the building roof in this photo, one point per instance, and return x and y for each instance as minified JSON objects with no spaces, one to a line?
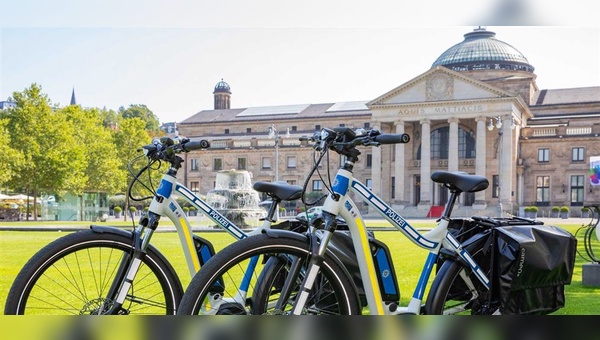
{"x":567,"y":96}
{"x":280,"y":112}
{"x":480,"y":50}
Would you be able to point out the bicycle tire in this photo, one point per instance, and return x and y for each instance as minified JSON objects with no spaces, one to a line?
{"x":333,"y":294}
{"x":450,"y":295}
{"x":72,"y":274}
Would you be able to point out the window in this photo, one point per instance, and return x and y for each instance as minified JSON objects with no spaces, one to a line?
{"x":439,"y":140}
{"x":241,"y":164}
{"x":577,"y":189}
{"x":217,"y":164}
{"x":194,"y":164}
{"x":294,"y":128}
{"x":291,"y":162}
{"x":369,"y":160}
{"x":317,"y":185}
{"x":342,"y":125}
{"x":226,"y":131}
{"x":544,"y":155}
{"x":495,"y":188}
{"x":291,"y":181}
{"x":393,"y":187}
{"x":317,"y":127}
{"x":542,"y":190}
{"x":266,"y":163}
{"x":369,"y":183}
{"x":248,"y":130}
{"x":367,"y":125}
{"x":578,"y":154}
{"x":194,"y":187}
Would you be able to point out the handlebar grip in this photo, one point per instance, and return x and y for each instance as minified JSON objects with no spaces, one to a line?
{"x":196,"y":145}
{"x":392,"y":138}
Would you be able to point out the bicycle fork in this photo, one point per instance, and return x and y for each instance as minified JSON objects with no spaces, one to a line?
{"x":129,"y":266}
{"x":314,"y":266}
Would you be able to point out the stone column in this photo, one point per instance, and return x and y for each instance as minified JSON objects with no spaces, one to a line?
{"x":425,"y":203}
{"x":453,"y":145}
{"x":376,"y":166}
{"x":399,"y":168}
{"x":506,"y":164}
{"x":480,"y":161}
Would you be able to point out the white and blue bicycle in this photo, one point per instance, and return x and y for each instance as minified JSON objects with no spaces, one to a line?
{"x":110,"y":270}
{"x":478,"y":265}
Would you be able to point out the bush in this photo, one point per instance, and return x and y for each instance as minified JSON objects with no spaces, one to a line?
{"x":555,"y":209}
{"x":132,"y":209}
{"x":585,"y":209}
{"x":533,"y":209}
{"x":564,"y":209}
{"x":186,"y":209}
{"x":118,"y":209}
{"x":527,"y":209}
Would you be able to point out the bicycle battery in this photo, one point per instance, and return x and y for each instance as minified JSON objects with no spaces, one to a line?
{"x":385,"y":271}
{"x":205,"y":251}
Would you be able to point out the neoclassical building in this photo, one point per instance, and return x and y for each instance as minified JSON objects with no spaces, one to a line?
{"x":478,"y":109}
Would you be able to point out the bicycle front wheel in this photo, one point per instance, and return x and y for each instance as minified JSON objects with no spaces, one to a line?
{"x":73,"y":275}
{"x":227,"y":284}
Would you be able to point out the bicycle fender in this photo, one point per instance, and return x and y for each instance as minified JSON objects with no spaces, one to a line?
{"x":279,"y":233}
{"x":112,"y":230}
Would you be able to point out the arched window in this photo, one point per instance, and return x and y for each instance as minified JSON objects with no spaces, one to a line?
{"x":439,"y":144}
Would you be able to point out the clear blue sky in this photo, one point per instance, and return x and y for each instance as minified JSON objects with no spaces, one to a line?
{"x":170,"y":55}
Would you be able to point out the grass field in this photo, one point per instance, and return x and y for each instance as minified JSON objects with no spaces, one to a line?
{"x":16,"y":247}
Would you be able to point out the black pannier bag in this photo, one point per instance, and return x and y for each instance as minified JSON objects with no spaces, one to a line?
{"x":533,"y":263}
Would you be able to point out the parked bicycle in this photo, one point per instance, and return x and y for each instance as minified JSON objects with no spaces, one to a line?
{"x":479,"y":265}
{"x":108,"y":270}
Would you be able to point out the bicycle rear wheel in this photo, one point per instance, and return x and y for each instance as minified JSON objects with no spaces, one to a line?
{"x":225,"y":286}
{"x":73,"y":274}
{"x":457,"y":290}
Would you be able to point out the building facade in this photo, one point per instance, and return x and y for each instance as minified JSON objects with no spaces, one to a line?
{"x":477,"y":109}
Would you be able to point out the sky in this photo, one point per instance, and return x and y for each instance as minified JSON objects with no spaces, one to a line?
{"x":169,"y":55}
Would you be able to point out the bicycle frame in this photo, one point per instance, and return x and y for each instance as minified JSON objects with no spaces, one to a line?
{"x":431,"y":241}
{"x":164,"y":204}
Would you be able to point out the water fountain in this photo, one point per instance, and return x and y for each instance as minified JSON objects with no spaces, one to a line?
{"x":235,"y":199}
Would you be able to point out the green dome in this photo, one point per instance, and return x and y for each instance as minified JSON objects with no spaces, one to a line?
{"x":482,"y":51}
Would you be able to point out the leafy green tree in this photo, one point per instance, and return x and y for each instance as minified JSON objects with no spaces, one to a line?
{"x":10,"y":159}
{"x":142,"y":112}
{"x":54,"y":160}
{"x":129,"y":138}
{"x":103,"y":170}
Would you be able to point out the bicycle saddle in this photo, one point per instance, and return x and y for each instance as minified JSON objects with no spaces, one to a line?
{"x":460,"y":181}
{"x":279,"y":190}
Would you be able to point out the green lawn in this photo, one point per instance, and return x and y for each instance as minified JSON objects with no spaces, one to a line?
{"x":17,"y":247}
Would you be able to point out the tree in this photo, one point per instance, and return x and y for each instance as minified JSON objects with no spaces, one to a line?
{"x":142,"y":112}
{"x":130,"y":137}
{"x":54,"y":159}
{"x":10,"y":159}
{"x":103,"y":169}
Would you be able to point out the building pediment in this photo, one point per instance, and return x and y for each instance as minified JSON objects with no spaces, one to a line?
{"x":439,"y":84}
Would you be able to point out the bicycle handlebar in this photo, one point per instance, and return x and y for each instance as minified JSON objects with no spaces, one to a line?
{"x":166,"y":148}
{"x":392,"y":138}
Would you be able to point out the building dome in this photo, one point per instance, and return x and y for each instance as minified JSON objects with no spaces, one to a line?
{"x":482,"y":51}
{"x":222,"y":87}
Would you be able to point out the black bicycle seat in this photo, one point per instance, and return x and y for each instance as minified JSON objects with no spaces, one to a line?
{"x":279,"y":190}
{"x":458,"y":180}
